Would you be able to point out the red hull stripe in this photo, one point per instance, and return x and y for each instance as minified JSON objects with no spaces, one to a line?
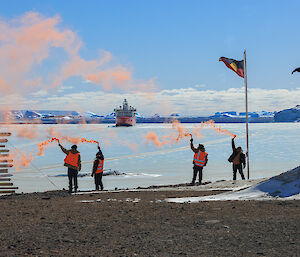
{"x":125,"y":121}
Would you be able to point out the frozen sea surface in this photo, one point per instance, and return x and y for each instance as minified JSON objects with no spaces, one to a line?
{"x":274,"y":148}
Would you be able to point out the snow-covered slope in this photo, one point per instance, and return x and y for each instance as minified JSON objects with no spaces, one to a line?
{"x":283,"y":186}
{"x":292,"y":114}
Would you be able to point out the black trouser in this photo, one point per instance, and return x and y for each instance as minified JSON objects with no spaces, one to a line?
{"x":196,"y":170}
{"x":237,"y":167}
{"x":72,"y":175}
{"x":98,"y":180}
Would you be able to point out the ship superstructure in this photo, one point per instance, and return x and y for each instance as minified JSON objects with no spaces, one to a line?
{"x":125,"y":115}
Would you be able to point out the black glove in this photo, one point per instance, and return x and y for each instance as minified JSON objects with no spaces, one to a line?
{"x":192,"y":140}
{"x":92,"y":175}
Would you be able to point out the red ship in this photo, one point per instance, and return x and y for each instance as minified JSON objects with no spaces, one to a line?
{"x":125,"y":115}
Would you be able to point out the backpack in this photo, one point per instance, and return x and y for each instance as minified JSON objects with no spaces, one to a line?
{"x":231,"y":157}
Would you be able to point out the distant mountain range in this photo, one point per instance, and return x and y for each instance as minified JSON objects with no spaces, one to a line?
{"x":56,"y":116}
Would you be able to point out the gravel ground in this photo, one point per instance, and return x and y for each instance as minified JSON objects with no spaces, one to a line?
{"x":142,"y":224}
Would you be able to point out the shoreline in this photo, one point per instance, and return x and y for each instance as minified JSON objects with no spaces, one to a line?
{"x":161,"y":120}
{"x":220,"y":185}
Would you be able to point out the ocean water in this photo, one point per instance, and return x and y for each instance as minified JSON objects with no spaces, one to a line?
{"x":273,"y":149}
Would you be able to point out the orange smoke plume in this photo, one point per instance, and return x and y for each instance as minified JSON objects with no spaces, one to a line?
{"x":42,"y":145}
{"x":29,"y":132}
{"x":172,"y":138}
{"x":151,"y":136}
{"x":186,"y":134}
{"x":21,"y":159}
{"x":78,"y":140}
{"x":25,"y":160}
{"x":73,"y":140}
{"x":131,"y":145}
{"x":181,"y":131}
{"x":212,"y":125}
{"x":196,"y":131}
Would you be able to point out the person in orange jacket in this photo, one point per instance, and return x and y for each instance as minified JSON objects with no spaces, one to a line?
{"x":98,"y":169}
{"x":200,"y":160}
{"x":73,"y":162}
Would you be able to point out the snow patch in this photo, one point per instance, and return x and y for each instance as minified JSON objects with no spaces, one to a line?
{"x":285,"y":186}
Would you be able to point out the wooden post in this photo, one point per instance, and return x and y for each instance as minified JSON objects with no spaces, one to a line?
{"x":5,"y":179}
{"x":6,"y":161}
{"x":6,"y":186}
{"x":7,"y":191}
{"x":5,"y":134}
{"x":6,"y":165}
{"x":246,"y":101}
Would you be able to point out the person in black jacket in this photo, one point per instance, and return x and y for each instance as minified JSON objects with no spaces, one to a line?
{"x":98,"y":169}
{"x":238,"y":160}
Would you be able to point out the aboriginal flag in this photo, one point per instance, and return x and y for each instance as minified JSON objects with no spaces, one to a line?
{"x":236,"y":66}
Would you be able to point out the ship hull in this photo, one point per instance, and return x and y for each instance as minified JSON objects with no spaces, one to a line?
{"x":125,"y":121}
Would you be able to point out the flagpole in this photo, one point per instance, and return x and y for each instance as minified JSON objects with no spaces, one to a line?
{"x":246,"y":100}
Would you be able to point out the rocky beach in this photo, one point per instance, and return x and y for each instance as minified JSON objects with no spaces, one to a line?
{"x":141,"y":222}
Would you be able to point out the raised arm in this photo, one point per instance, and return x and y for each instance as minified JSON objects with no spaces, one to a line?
{"x":101,"y":154}
{"x":63,"y":149}
{"x":192,"y":146}
{"x":233,"y":145}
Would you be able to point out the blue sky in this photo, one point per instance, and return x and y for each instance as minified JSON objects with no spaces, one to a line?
{"x":178,"y":43}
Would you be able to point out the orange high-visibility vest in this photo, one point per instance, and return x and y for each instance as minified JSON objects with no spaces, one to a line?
{"x":199,"y":158}
{"x":72,"y":159}
{"x":100,"y":167}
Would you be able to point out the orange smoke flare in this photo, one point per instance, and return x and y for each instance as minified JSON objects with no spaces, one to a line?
{"x":73,"y":140}
{"x":179,"y":128}
{"x":211,"y":124}
{"x":182,"y":132}
{"x":42,"y":145}
{"x":172,"y":137}
{"x":186,"y":134}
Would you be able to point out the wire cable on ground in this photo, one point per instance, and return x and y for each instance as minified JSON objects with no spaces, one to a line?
{"x":36,"y":168}
{"x":163,"y":151}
